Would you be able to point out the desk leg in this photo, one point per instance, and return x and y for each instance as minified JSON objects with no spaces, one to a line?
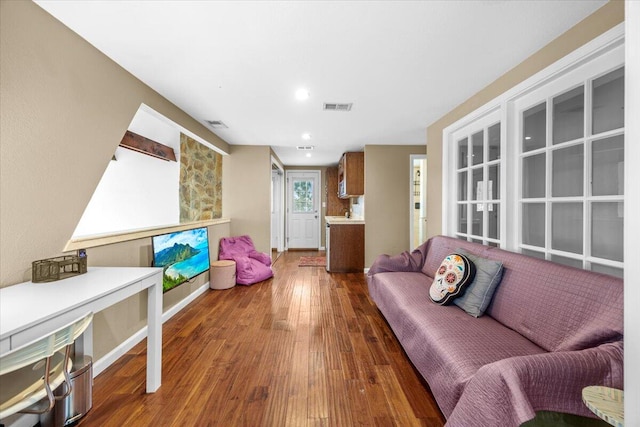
{"x":154,"y":337}
{"x":84,"y":343}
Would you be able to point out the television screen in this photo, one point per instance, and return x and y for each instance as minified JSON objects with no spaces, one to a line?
{"x":182,"y":255}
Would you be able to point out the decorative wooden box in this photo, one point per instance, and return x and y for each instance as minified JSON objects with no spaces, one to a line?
{"x":52,"y":269}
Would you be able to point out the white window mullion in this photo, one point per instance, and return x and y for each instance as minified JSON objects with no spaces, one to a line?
{"x":580,"y":69}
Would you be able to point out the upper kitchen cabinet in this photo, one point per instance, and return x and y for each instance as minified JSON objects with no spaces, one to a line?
{"x":335,"y":205}
{"x":351,"y":175}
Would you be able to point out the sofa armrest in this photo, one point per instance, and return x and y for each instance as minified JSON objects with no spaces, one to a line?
{"x":510,"y":391}
{"x":403,"y":262}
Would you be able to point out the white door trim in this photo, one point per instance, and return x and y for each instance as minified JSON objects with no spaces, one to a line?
{"x":278,"y":197}
{"x":423,"y":195}
{"x":316,"y":195}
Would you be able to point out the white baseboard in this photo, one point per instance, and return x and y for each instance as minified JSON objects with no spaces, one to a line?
{"x":108,"y":359}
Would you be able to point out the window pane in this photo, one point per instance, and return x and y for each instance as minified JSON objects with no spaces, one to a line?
{"x":533,"y":176}
{"x":493,"y":186}
{"x":494,"y":142}
{"x":493,"y":214}
{"x":463,"y":153}
{"x":608,"y":166}
{"x":302,"y":196}
{"x":477,"y":241}
{"x":535,"y":127}
{"x":462,"y":218}
{"x":608,"y":102}
{"x":566,"y":261}
{"x":477,"y":141}
{"x":462,"y":186}
{"x":476,"y":217}
{"x":566,"y":227}
{"x":611,"y":271}
{"x":493,"y":244}
{"x":477,"y":184}
{"x":606,"y":230}
{"x":534,"y":254}
{"x":568,"y":115}
{"x":567,"y":176}
{"x":533,"y":224}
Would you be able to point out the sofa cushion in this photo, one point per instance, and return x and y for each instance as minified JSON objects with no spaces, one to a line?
{"x":446,"y":345}
{"x":451,"y":279}
{"x":439,"y":247}
{"x":477,"y":297}
{"x":584,"y":308}
{"x":558,"y":307}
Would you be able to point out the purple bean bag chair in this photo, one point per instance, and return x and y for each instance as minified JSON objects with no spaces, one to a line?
{"x":251,"y":266}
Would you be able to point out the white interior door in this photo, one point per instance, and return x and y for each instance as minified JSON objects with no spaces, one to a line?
{"x":303,"y":218}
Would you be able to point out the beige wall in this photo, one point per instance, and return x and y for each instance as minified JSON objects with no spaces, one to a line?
{"x":387,"y":171}
{"x":246,"y":177}
{"x":65,"y":107}
{"x":600,"y":21}
{"x":323,"y":196}
{"x":117,"y":323}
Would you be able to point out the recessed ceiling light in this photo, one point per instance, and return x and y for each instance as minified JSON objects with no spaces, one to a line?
{"x":306,"y":136}
{"x":308,"y":154}
{"x":302,"y":94}
{"x":527,"y":138}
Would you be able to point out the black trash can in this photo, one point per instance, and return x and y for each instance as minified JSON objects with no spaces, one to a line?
{"x":73,"y":407}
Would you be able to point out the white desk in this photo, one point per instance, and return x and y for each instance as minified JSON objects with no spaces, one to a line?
{"x":30,"y":310}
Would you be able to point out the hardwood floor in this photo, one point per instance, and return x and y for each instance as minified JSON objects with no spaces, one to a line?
{"x":306,"y":348}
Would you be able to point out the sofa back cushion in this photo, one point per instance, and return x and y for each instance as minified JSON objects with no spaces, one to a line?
{"x":557,"y":307}
{"x":439,"y":247}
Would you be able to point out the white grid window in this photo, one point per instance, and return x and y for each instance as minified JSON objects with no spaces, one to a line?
{"x":571,"y":163}
{"x":478,"y":181}
{"x":540,"y":170}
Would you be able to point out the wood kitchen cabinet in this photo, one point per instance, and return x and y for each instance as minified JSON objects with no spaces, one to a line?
{"x":351,"y":175}
{"x":335,"y":205}
{"x":346,"y":254}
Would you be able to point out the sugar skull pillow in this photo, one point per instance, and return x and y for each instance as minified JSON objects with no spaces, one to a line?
{"x":452,"y":278}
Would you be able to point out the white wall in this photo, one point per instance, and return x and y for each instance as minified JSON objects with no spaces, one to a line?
{"x":136,"y":191}
{"x":631,"y":215}
{"x":357,"y":206}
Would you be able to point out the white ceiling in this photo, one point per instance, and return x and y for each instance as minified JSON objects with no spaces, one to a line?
{"x":403,"y":64}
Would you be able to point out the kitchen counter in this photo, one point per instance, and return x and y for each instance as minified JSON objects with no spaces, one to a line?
{"x":342,"y":220}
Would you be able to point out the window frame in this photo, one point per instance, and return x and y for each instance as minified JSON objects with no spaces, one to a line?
{"x":605,"y":53}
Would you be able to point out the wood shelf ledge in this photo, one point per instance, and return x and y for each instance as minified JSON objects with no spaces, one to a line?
{"x":108,"y":239}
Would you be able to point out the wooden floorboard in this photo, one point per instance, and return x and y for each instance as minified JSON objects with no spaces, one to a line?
{"x":306,"y":348}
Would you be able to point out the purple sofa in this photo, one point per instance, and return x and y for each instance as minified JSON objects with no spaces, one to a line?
{"x":251,"y":266}
{"x":549,"y":331}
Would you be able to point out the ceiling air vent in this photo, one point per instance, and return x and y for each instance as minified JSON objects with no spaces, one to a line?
{"x":332,"y":106}
{"x":305,"y":147}
{"x":217,"y":124}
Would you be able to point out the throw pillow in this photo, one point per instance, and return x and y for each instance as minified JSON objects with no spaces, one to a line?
{"x":478,"y":295}
{"x":451,"y":279}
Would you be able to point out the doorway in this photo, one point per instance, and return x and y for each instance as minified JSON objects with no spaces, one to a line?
{"x":277,"y":209}
{"x":303,"y":217}
{"x":418,"y":199}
